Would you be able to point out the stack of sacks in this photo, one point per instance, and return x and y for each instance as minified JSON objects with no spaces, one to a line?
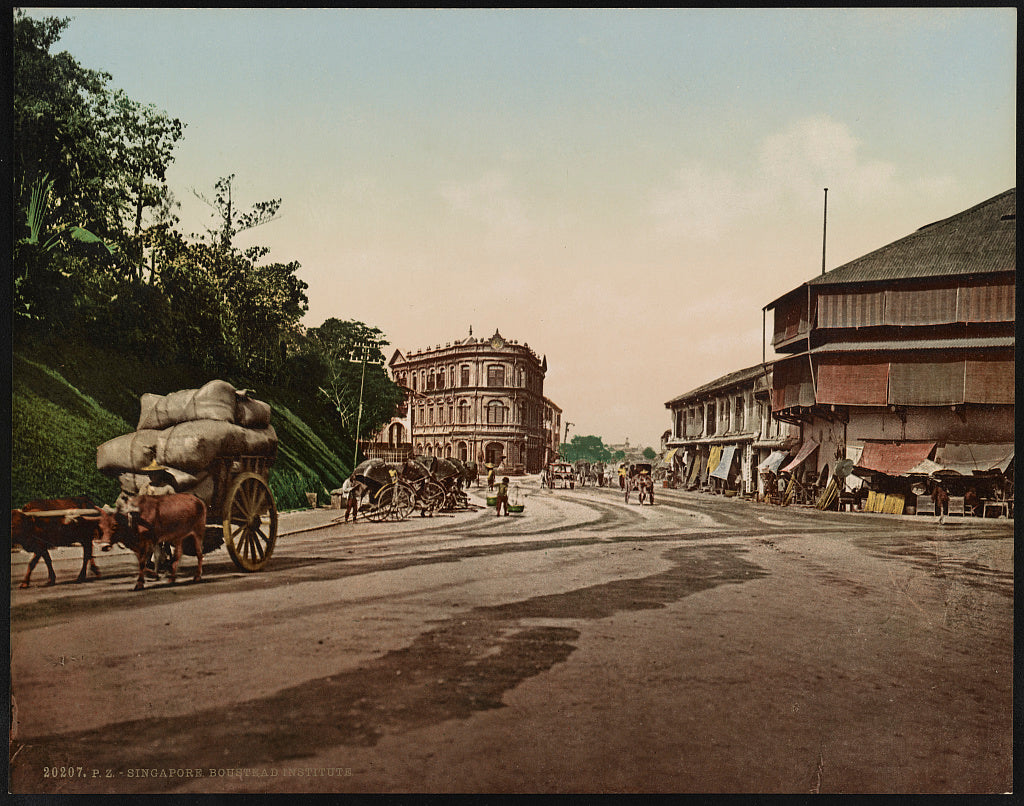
{"x":184,"y":432}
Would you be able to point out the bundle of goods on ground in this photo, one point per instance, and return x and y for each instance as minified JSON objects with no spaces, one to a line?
{"x":183,"y":433}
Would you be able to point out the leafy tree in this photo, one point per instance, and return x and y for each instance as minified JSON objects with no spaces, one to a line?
{"x":649,"y":454}
{"x":87,"y":161}
{"x":352,"y":358}
{"x":585,"y":448}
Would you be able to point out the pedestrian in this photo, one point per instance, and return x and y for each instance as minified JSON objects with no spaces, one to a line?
{"x":351,"y":490}
{"x":490,"y":479}
{"x":971,"y":501}
{"x":502,"y":502}
{"x":628,"y":482}
{"x":622,"y":479}
{"x":543,"y":477}
{"x":648,"y":481}
{"x":940,"y":498}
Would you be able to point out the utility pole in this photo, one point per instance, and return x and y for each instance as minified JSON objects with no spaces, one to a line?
{"x":824,"y":226}
{"x":566,"y":440}
{"x":364,"y":349}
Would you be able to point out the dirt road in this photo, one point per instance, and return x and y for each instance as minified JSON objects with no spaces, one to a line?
{"x":700,"y":645}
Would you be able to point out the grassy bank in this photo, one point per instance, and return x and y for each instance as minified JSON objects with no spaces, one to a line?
{"x":69,"y":397}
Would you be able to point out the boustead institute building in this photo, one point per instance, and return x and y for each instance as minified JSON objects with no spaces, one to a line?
{"x":478,"y":399}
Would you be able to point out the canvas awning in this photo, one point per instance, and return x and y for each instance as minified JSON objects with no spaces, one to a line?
{"x":967,"y":458}
{"x":668,"y":456}
{"x":772,"y":463}
{"x":714,"y":456}
{"x":894,"y":458}
{"x":725,"y":463}
{"x":809,"y":447}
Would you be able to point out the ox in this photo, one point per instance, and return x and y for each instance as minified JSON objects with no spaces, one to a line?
{"x":38,"y":534}
{"x":152,"y":520}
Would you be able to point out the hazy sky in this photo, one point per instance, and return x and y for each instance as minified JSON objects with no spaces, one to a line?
{"x":623,"y":190}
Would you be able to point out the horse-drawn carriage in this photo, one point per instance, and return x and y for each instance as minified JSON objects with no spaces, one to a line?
{"x":561,"y":474}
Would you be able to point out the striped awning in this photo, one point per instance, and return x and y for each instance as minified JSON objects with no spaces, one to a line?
{"x":668,"y":456}
{"x":809,"y":447}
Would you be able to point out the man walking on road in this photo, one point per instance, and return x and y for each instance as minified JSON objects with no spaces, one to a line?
{"x":502,"y":502}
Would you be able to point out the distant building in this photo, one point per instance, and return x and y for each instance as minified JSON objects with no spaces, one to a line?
{"x":721,"y":431}
{"x":481,"y":400}
{"x":552,"y":430}
{"x":906,"y":355}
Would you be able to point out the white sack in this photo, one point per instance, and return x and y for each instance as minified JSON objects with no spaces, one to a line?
{"x":250,"y":412}
{"x":128,"y":452}
{"x":212,"y":401}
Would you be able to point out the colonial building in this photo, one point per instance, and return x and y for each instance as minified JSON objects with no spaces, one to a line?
{"x":724,"y":429}
{"x":906,"y":354}
{"x":480,"y":400}
{"x":552,"y":429}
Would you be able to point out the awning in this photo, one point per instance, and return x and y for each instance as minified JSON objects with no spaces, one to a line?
{"x":894,"y":458}
{"x":966,"y":458}
{"x":724,"y":465}
{"x":668,"y":456}
{"x":925,"y":468}
{"x":713,"y":459}
{"x":772,"y":463}
{"x":809,"y":447}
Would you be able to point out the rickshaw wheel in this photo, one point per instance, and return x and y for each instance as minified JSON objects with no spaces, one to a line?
{"x":432,"y":496}
{"x":250,"y":522}
{"x":383,"y":504}
{"x":404,"y":501}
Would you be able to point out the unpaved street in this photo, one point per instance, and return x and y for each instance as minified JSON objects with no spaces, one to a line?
{"x":700,"y":645}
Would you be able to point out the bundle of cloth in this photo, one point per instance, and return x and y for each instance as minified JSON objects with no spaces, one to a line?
{"x":181,"y":434}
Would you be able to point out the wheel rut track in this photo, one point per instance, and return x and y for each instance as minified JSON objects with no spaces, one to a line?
{"x":463,"y":665}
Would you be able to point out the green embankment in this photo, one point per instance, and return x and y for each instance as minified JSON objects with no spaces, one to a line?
{"x":67,"y":399}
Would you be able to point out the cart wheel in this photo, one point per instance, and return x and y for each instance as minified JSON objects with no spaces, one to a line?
{"x":404,"y":501}
{"x":380,"y":505}
{"x":250,"y":522}
{"x":432,"y":495}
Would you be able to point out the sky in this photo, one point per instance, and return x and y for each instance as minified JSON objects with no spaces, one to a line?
{"x":623,"y":190}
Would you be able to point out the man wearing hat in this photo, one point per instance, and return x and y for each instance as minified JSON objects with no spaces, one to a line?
{"x":160,"y":482}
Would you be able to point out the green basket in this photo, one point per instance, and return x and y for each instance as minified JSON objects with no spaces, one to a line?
{"x":492,"y":500}
{"x":516,"y":507}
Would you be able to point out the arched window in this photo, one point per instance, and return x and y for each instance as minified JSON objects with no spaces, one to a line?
{"x":495,"y":413}
{"x":463,"y":413}
{"x":396,"y":435}
{"x":463,"y":452}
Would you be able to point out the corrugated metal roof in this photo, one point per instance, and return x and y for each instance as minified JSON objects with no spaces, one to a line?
{"x":980,"y":240}
{"x":975,"y":343}
{"x":739,"y":376}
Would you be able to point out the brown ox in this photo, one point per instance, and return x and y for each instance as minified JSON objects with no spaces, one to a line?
{"x":153,"y":520}
{"x":38,"y":534}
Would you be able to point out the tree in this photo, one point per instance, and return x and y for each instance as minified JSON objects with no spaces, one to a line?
{"x":87,"y":161}
{"x":649,"y":454}
{"x":346,"y":349}
{"x":585,"y":448}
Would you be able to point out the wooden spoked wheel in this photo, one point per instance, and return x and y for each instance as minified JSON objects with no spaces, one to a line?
{"x":404,"y":499}
{"x":250,"y":522}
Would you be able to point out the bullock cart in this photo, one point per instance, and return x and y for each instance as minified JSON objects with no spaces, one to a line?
{"x":215,"y":443}
{"x":240,"y":511}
